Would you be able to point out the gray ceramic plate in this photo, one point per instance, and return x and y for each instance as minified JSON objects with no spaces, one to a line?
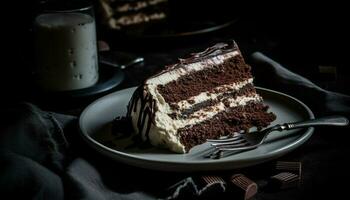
{"x":95,"y":125}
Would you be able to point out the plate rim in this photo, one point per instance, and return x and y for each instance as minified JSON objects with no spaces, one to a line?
{"x":186,"y":166}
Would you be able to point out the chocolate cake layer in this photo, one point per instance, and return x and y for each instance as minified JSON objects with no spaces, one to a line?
{"x":234,"y":70}
{"x":226,"y":123}
{"x":246,"y":90}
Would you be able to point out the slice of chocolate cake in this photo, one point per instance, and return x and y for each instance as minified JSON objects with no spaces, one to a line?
{"x":121,"y":14}
{"x":209,"y":95}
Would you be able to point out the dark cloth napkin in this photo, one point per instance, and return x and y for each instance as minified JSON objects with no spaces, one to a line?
{"x":271,"y":74}
{"x":42,"y":157}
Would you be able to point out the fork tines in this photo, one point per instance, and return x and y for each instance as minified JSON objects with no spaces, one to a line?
{"x":228,"y":143}
{"x":230,"y":138}
{"x":236,"y":141}
{"x":233,"y":146}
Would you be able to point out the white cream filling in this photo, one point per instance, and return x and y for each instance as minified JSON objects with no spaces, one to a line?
{"x":205,"y":96}
{"x":161,"y":133}
{"x":209,"y":112}
{"x":197,"y":66}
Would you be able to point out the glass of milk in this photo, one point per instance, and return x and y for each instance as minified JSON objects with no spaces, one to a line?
{"x":66,"y":49}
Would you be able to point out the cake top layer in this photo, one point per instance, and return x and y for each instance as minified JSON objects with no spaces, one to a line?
{"x":217,"y":49}
{"x":209,"y":58}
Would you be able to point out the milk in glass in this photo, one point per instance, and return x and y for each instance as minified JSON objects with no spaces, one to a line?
{"x":66,"y":51}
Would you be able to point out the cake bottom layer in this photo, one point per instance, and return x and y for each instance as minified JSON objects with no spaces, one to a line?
{"x":253,"y":114}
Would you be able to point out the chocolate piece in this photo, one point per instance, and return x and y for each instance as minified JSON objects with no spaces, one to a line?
{"x":293,"y":167}
{"x":184,"y":189}
{"x":286,"y":175}
{"x":211,"y":179}
{"x":284,"y":180}
{"x":210,"y":186}
{"x":202,"y":187}
{"x":242,"y":187}
{"x":289,"y":167}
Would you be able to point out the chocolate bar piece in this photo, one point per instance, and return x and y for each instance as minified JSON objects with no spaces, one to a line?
{"x":210,"y":186}
{"x":292,"y":167}
{"x":289,"y":166}
{"x":202,"y":187}
{"x":242,"y":187}
{"x":184,"y":189}
{"x":284,"y":180}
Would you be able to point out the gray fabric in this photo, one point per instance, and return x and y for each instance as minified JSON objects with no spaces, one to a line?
{"x":32,"y":147}
{"x":34,"y":159}
{"x":91,"y":185}
{"x":274,"y":76}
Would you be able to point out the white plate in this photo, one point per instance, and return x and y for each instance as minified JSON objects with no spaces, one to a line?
{"x":95,"y":125}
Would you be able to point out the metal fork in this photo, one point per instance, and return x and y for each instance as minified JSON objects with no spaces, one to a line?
{"x":247,"y":141}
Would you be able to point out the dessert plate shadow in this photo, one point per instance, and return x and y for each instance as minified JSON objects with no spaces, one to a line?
{"x":96,"y":124}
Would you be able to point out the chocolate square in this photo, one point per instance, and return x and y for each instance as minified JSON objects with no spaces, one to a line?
{"x":242,"y":187}
{"x":284,"y":180}
{"x":292,"y":167}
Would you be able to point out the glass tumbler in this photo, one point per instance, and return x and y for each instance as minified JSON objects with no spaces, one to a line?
{"x":66,"y":48}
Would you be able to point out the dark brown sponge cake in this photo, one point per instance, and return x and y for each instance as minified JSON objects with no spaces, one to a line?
{"x":208,"y":95}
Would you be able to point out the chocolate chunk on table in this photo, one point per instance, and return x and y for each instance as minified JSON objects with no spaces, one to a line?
{"x":199,"y":187}
{"x":284,"y":180}
{"x":242,"y":187}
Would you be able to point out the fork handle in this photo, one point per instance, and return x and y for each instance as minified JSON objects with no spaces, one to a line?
{"x":324,"y":121}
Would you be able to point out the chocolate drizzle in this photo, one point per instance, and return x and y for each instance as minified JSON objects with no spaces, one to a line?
{"x":147,"y":109}
{"x":220,"y":48}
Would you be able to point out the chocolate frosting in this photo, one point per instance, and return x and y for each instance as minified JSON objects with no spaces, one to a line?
{"x":218,"y":49}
